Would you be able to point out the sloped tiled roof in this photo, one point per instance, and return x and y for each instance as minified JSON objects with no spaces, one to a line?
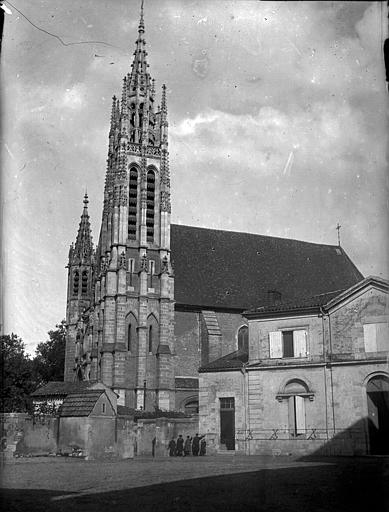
{"x":122,"y":410}
{"x":232,"y":361}
{"x":295,"y":305}
{"x":80,"y":404}
{"x":227,"y":269}
{"x":59,"y":388}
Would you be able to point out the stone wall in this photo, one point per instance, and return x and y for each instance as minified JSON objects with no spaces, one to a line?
{"x":259,"y":335}
{"x":24,"y":434}
{"x":347,"y":321}
{"x":163,"y":430}
{"x":335,"y":410}
{"x":229,"y":324}
{"x":186,"y":344}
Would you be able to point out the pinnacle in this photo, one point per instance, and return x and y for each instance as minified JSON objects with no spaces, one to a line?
{"x":83,"y":247}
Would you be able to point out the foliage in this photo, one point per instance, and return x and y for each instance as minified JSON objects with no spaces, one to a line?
{"x":17,"y":375}
{"x":21,"y":375}
{"x":49,"y":358}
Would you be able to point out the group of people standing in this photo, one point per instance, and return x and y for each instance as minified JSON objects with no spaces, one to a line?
{"x":180,"y":448}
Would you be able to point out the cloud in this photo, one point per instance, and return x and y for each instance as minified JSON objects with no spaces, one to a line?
{"x":249,"y":84}
{"x":74,"y":98}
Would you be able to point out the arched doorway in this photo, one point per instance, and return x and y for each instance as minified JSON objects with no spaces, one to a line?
{"x":377,"y":391}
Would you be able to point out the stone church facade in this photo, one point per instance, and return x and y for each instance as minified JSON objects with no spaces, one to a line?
{"x":155,"y":301}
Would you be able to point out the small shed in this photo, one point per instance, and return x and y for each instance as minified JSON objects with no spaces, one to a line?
{"x":88,"y":424}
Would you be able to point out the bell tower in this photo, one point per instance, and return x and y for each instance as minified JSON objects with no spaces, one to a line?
{"x":134,"y":283}
{"x":79,"y":293}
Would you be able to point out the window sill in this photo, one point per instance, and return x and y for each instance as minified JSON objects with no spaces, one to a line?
{"x":286,"y":396}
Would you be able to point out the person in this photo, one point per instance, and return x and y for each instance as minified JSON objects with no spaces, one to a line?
{"x":172,"y":448}
{"x":203,"y":446}
{"x":180,"y":445}
{"x":196,"y":445}
{"x":187,"y":446}
{"x":153,"y":442}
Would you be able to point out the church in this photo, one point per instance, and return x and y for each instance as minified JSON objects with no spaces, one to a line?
{"x":155,"y":301}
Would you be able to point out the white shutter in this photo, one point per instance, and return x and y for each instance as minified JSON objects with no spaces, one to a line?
{"x":275,"y":343}
{"x":369,"y":337}
{"x":382,"y":337}
{"x":300,"y":414}
{"x":300,"y":343}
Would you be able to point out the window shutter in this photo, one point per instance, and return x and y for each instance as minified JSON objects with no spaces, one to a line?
{"x":275,"y":342}
{"x":300,"y":343}
{"x":369,"y":337}
{"x":382,"y":337}
{"x":300,"y":414}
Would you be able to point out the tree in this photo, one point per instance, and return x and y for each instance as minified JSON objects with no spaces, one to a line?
{"x":49,"y":358}
{"x":17,"y":375}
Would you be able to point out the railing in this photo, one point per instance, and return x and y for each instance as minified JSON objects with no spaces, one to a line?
{"x":310,"y":434}
{"x":132,"y":147}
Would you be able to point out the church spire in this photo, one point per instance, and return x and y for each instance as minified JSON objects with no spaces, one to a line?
{"x":83,"y":248}
{"x":139,"y":76}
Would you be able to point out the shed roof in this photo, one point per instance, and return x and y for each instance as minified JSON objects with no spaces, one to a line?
{"x":228,"y":269}
{"x":80,"y":404}
{"x":233,"y":361}
{"x":59,"y":388}
{"x":292,"y":306}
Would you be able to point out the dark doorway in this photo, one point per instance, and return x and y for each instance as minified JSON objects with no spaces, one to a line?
{"x":227,"y":422}
{"x":378,"y":414}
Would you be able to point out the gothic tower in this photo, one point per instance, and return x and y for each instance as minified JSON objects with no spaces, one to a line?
{"x":128,"y":330}
{"x":79,"y":294}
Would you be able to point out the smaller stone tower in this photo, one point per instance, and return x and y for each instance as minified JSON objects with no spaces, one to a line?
{"x":79,"y":294}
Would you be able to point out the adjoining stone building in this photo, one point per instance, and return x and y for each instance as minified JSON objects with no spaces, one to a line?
{"x":154,"y":301}
{"x":315,"y":378}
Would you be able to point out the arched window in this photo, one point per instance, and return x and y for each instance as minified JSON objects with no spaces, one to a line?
{"x":132,"y":203}
{"x":377,"y":391}
{"x":243,"y":338}
{"x":76,"y":282}
{"x":131,"y":332}
{"x":150,"y":338}
{"x":84,"y":282}
{"x":192,"y":407}
{"x":152,"y":333}
{"x":296,"y":392}
{"x":150,"y":206}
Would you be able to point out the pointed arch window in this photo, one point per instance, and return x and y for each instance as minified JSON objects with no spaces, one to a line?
{"x":84,"y":282}
{"x":152,"y":330}
{"x":131,"y":332}
{"x":243,"y":338}
{"x":150,"y":338}
{"x":150,"y":205}
{"x":76,"y":282}
{"x":132,"y":203}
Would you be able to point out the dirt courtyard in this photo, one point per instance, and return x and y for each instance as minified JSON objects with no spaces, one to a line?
{"x":223,"y":483}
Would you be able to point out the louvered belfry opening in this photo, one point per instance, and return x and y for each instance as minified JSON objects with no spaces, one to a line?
{"x":150,"y":206}
{"x":132,"y":203}
{"x":84,"y":282}
{"x":76,"y":282}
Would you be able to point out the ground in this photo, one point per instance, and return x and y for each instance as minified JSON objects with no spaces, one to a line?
{"x":220,"y":483}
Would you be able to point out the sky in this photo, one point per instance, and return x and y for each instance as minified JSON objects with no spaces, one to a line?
{"x":277,"y":126}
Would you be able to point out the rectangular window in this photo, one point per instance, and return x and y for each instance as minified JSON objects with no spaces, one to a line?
{"x":376,"y":337}
{"x":151,"y":274}
{"x":131,"y":269}
{"x":227,"y":403}
{"x":288,"y":343}
{"x":297,"y":415}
